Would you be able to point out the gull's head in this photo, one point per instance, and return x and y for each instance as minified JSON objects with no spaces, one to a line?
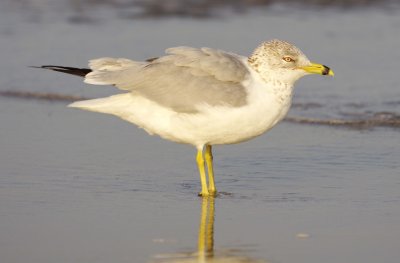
{"x":281,"y":61}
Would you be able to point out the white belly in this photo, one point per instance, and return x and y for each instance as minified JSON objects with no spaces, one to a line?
{"x":211,"y":125}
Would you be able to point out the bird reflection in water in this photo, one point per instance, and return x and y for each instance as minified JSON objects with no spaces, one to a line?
{"x":206,"y":229}
{"x":205,"y":249}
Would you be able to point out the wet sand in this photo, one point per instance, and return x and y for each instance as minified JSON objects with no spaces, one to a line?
{"x":77,"y":186}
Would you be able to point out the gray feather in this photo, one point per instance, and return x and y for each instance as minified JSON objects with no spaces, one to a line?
{"x":183,"y":79}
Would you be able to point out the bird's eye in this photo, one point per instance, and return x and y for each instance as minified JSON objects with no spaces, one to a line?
{"x":288,"y":59}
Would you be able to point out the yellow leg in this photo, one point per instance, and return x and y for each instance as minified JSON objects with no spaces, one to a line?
{"x":209,"y":160}
{"x":203,"y":179}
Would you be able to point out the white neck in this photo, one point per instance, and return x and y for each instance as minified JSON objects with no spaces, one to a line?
{"x":282,"y":90}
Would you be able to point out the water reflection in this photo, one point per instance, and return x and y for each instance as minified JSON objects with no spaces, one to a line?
{"x":206,"y":229}
{"x":205,"y":247}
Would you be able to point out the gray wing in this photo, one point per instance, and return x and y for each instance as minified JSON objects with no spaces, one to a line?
{"x":183,"y":79}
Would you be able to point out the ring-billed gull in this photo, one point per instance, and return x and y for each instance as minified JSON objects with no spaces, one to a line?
{"x":201,"y":97}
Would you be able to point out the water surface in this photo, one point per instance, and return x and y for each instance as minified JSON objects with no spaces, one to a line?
{"x":77,"y":186}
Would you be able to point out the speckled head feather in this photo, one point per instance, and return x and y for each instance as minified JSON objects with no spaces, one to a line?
{"x":280,"y":57}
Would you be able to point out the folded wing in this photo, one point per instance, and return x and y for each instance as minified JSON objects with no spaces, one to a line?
{"x":185,"y":79}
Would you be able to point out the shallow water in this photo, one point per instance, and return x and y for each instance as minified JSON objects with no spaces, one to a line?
{"x":82,"y":187}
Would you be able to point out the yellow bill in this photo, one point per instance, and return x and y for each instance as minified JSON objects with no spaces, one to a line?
{"x":315,"y":68}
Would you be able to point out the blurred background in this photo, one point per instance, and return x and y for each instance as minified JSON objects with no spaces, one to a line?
{"x":352,"y":36}
{"x":80,"y":10}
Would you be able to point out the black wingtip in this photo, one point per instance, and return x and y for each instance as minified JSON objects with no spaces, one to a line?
{"x":68,"y":70}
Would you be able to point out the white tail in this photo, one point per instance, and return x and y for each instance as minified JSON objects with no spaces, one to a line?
{"x":116,"y":104}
